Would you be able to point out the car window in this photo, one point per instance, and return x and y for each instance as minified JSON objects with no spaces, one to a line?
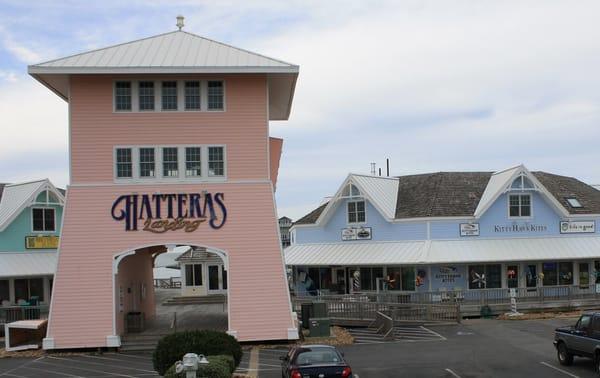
{"x":596,"y":323}
{"x":584,"y":322}
{"x":310,"y":356}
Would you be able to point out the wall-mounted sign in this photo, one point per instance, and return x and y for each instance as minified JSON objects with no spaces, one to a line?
{"x":41,"y":242}
{"x":447,"y":274}
{"x":516,"y":228}
{"x":356,"y":233}
{"x":578,"y":227}
{"x":469,"y":229}
{"x":160,"y":213}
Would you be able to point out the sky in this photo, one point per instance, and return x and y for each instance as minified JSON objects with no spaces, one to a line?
{"x":432,"y":85}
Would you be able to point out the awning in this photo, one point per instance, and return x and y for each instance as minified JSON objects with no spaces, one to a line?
{"x":444,"y":251}
{"x":27,"y":264}
{"x":357,"y":253}
{"x":512,"y":250}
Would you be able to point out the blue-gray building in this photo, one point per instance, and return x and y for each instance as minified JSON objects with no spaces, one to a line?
{"x":449,"y":231}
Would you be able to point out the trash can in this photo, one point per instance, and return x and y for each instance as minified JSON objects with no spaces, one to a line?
{"x":485,"y":311}
{"x":135,"y":322}
{"x":319,"y":327}
{"x":319,"y":310}
{"x":306,"y":312}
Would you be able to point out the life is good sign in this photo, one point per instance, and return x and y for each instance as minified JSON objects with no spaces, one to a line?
{"x":159,"y":213}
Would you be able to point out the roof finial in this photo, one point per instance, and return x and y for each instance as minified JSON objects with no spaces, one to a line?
{"x":180,"y":21}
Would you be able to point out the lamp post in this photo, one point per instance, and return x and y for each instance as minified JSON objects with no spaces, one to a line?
{"x":190,"y":364}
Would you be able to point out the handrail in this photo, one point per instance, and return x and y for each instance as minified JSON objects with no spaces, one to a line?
{"x":386,"y":325}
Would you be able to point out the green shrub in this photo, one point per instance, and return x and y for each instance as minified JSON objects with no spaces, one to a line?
{"x":171,"y":348}
{"x":218,"y":367}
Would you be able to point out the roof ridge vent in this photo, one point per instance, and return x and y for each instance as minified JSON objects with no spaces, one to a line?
{"x":180,"y":22}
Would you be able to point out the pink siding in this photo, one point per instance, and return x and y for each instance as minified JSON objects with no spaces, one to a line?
{"x":96,"y":129}
{"x":82,"y":308}
{"x":275,"y":146}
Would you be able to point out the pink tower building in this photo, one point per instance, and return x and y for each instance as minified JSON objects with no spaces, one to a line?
{"x":169,"y":146}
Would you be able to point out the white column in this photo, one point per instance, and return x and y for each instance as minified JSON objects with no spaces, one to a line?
{"x":46,"y":290}
{"x":11,"y":290}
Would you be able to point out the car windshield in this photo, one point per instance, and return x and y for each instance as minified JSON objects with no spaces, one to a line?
{"x":310,"y":356}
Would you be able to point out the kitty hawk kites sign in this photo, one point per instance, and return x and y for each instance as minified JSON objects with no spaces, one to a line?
{"x":159,"y":213}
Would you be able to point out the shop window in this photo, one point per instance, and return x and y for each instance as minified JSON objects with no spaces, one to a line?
{"x":193,"y":275}
{"x":4,"y":291}
{"x":193,"y":162}
{"x":531,"y":276}
{"x":356,"y":212}
{"x":519,"y":205}
{"x":43,"y":220}
{"x":597,"y":272}
{"x":146,"y":95}
{"x":192,"y":95}
{"x":368,"y":278}
{"x":169,"y":95}
{"x":216,"y":161}
{"x":565,"y":273}
{"x":584,"y":275}
{"x":123,"y":96}
{"x":147,"y":162}
{"x":512,"y":276}
{"x":557,"y":273}
{"x":400,"y":278}
{"x":485,"y":276}
{"x":215,"y":95}
{"x":170,"y":162}
{"x":124,"y":163}
{"x":29,"y":289}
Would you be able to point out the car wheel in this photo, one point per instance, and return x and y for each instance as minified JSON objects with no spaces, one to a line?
{"x":564,"y":357}
{"x":597,"y":363}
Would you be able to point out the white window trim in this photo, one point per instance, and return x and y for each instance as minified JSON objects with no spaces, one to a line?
{"x":348,"y":214}
{"x":159,"y":178}
{"x":44,"y":208}
{"x":519,"y":194}
{"x":135,"y":106}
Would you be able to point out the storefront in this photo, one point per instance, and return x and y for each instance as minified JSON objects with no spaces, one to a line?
{"x":169,"y":149}
{"x":449,"y":232}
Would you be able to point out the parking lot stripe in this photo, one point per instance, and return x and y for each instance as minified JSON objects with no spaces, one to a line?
{"x":80,"y":368}
{"x":98,"y":363}
{"x":557,"y":369}
{"x":119,"y":360}
{"x":53,"y":372}
{"x":12,"y":375}
{"x":453,"y":373}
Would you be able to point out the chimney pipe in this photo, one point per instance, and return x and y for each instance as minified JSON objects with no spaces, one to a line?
{"x":373,"y":169}
{"x":379,"y":172}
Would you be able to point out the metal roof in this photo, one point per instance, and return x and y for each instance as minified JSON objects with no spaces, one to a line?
{"x":383,"y":192}
{"x":444,"y":251}
{"x":24,"y":264}
{"x":177,"y":52}
{"x":359,"y":253}
{"x":15,"y":197}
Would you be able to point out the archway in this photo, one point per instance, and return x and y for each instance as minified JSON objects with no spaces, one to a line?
{"x":134,"y":294}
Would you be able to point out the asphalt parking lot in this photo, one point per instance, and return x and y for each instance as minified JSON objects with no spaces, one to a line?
{"x":476,"y":348}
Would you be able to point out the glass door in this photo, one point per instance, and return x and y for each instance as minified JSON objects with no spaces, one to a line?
{"x":531,"y":276}
{"x":217,"y":279}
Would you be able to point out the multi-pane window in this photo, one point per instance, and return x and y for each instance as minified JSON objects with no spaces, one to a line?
{"x":43,"y":219}
{"x":193,"y":275}
{"x":124,"y":163}
{"x":146,"y":95}
{"x":519,"y":205}
{"x":4,"y":291}
{"x":193,"y":162}
{"x":123,"y":95}
{"x":147,"y":162}
{"x":368,"y":278}
{"x":400,"y":278}
{"x":192,"y":95}
{"x":28,"y":289}
{"x":485,"y":276}
{"x":170,"y":162}
{"x":356,"y":212}
{"x":215,"y":95}
{"x":584,"y":274}
{"x":216,"y":161}
{"x":169,"y":95}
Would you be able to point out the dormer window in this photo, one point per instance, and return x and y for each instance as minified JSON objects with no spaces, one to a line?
{"x":522,"y":183}
{"x":519,"y":205}
{"x":574,"y":202}
{"x":356,"y":212}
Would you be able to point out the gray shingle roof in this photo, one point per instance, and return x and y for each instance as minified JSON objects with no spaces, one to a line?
{"x":456,"y":194}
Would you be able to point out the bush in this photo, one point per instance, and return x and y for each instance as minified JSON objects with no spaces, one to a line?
{"x":171,"y":348}
{"x":218,"y":367}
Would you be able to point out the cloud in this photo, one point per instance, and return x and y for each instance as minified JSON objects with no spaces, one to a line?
{"x":21,"y":52}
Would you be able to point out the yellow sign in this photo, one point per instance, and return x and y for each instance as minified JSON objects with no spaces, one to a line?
{"x":41,"y":242}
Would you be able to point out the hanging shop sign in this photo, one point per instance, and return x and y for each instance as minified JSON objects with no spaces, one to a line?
{"x":578,"y":227}
{"x":159,"y":213}
{"x":356,"y":233}
{"x":521,"y":228}
{"x":41,"y":242}
{"x":469,"y":229}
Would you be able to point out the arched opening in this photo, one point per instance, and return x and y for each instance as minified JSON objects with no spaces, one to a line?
{"x":196,"y":298}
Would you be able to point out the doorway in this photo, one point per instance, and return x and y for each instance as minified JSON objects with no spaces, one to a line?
{"x":217,"y":279}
